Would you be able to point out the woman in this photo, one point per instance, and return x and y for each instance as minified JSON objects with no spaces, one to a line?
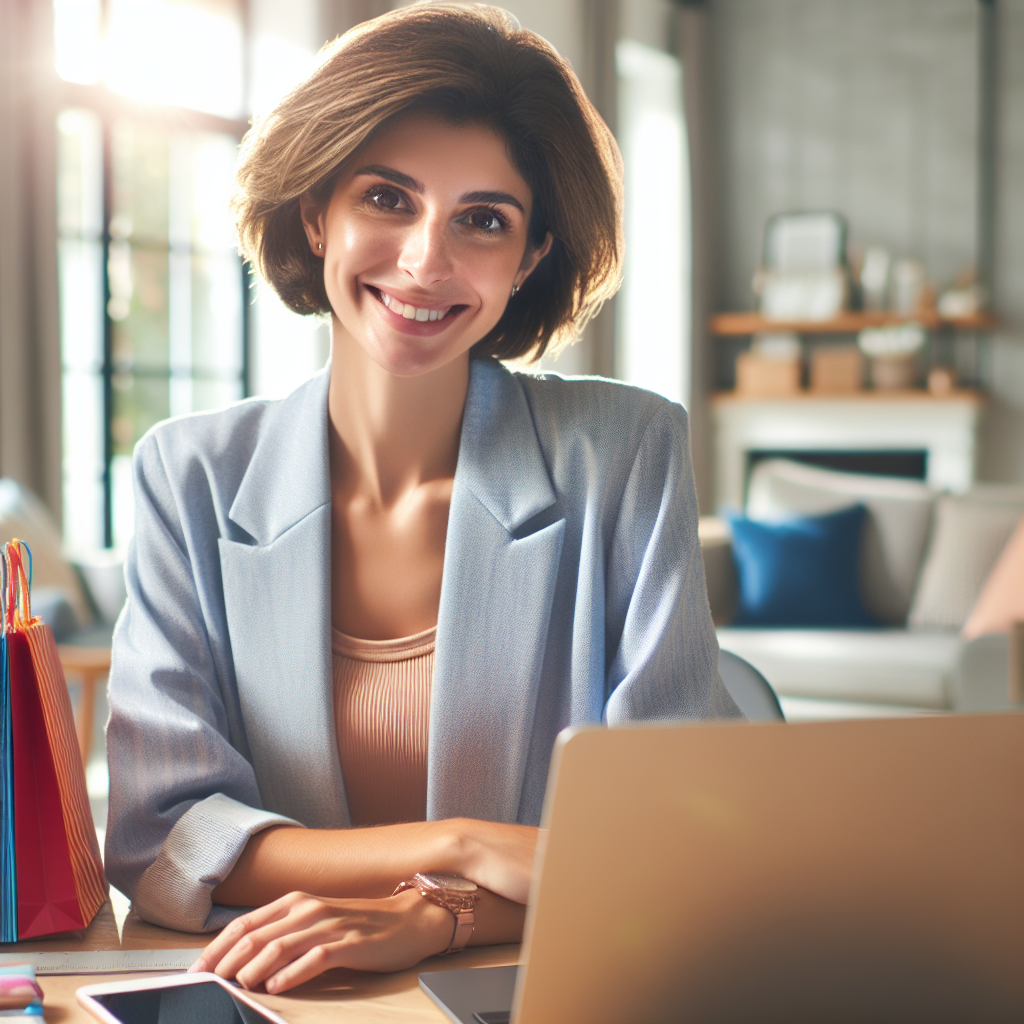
{"x":416,"y":544}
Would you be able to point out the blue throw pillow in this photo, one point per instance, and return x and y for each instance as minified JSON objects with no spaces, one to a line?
{"x":801,"y":571}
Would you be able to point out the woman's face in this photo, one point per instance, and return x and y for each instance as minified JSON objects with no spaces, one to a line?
{"x":422,"y":243}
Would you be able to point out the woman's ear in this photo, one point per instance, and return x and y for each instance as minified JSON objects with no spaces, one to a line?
{"x":312,"y":222}
{"x":533,"y":255}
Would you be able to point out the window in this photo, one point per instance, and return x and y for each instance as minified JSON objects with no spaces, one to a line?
{"x":158,"y":316}
{"x":653,"y":344}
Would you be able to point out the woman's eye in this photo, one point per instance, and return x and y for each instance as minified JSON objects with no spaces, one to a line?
{"x":385,"y":198}
{"x":486,"y":220}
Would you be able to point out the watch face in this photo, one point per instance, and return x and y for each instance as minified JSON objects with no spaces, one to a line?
{"x":452,"y":883}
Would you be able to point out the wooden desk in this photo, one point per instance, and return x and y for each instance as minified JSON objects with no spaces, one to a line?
{"x":349,"y":995}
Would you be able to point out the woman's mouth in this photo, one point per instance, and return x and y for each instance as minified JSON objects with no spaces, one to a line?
{"x":419,"y":313}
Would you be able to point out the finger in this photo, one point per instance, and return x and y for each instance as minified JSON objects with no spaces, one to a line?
{"x":236,"y":931}
{"x":300,"y":917}
{"x":279,"y":952}
{"x":316,"y":960}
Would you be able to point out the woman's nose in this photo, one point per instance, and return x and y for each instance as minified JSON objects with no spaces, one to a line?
{"x":424,"y":253}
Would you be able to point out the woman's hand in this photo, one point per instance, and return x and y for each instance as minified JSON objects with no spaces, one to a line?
{"x":496,"y":857}
{"x":298,"y":937}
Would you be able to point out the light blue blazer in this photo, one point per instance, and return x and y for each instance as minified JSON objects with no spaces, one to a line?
{"x":573,"y":591}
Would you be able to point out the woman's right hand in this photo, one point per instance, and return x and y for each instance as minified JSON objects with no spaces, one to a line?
{"x":495,"y":856}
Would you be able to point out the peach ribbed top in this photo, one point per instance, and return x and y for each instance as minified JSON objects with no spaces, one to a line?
{"x":382,"y":715}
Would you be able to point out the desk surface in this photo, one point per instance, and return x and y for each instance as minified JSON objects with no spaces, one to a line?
{"x":365,"y":997}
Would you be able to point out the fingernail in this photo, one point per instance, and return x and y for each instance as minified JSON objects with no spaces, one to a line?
{"x":272,"y":984}
{"x":198,"y":966}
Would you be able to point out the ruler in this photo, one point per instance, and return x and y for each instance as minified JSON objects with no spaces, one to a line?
{"x":105,"y":961}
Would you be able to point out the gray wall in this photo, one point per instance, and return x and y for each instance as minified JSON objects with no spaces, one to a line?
{"x":1003,"y":446}
{"x":870,"y":107}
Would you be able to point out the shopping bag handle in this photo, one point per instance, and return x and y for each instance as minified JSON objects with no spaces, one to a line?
{"x":18,"y":611}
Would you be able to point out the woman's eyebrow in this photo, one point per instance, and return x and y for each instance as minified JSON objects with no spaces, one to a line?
{"x":492,"y":197}
{"x":406,"y":181}
{"x":390,"y":174}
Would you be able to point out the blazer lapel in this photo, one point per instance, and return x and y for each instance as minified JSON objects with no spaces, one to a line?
{"x":502,"y":553}
{"x":277,"y":599}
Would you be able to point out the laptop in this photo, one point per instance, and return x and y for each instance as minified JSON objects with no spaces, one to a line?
{"x":824,"y":872}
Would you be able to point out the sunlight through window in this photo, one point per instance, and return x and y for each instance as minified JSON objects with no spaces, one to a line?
{"x":161,"y":51}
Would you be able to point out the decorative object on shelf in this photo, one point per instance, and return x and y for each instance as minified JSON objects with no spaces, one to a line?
{"x":803,"y":275}
{"x":771,"y":368}
{"x":894,"y":354}
{"x":836,"y":370}
{"x":817,"y":296}
{"x":966,"y":298}
{"x":941,"y":381}
{"x":910,"y":290}
{"x":874,"y":277}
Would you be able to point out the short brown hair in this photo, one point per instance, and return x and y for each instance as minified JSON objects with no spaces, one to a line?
{"x":466,"y":64}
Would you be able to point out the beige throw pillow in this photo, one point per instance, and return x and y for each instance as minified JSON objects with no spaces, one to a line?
{"x":968,"y":534}
{"x":895,"y":529}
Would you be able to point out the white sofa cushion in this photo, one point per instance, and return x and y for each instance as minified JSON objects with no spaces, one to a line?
{"x":897,"y":667}
{"x":896,"y":527}
{"x":969,"y":533}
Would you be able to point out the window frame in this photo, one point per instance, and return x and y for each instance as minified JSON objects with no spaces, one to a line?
{"x":111,"y":107}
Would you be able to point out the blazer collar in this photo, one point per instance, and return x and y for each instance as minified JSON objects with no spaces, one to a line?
{"x":500,"y":460}
{"x":289,"y":474}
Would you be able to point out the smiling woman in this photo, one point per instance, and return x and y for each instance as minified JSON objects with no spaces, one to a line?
{"x":358,"y":617}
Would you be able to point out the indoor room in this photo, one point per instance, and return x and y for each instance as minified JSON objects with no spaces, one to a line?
{"x":819,"y":256}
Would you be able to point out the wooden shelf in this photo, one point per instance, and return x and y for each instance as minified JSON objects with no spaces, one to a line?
{"x":967,"y":395}
{"x":739,"y":324}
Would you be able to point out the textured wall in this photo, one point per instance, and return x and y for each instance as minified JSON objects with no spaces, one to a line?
{"x":1003,"y":446}
{"x":869,"y":107}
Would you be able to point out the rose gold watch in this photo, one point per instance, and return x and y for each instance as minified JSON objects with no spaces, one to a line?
{"x":453,"y":892}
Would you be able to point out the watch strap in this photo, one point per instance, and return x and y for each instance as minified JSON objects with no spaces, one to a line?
{"x":461,"y":906}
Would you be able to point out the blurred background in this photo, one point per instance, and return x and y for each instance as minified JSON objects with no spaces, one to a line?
{"x":825,"y":265}
{"x":122,"y":300}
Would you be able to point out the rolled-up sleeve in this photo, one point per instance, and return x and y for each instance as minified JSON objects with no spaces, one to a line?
{"x":184,"y":799}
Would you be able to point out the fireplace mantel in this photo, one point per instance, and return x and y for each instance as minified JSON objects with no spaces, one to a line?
{"x":946,"y":428}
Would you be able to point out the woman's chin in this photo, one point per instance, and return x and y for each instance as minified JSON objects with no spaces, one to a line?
{"x":414,"y":357}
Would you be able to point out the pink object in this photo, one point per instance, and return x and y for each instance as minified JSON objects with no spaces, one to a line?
{"x":382,"y":713}
{"x":20,"y":984}
{"x":1001,"y":601}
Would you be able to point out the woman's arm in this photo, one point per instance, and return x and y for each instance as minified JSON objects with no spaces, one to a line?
{"x":298,"y":937}
{"x":370,"y":862}
{"x":665,"y":658}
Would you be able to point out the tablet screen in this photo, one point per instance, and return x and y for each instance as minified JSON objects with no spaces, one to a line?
{"x":205,"y":1003}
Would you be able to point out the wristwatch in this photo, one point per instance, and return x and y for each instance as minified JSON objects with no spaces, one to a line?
{"x":453,"y":892}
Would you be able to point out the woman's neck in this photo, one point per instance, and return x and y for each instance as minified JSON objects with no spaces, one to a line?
{"x":390,"y":434}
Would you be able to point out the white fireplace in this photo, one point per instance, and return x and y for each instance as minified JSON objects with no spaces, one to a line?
{"x":944,"y":429}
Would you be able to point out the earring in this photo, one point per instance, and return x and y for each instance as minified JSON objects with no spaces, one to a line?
{"x":320,"y":246}
{"x":515,"y":288}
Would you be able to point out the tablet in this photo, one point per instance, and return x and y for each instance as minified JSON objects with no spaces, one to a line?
{"x":175,"y":999}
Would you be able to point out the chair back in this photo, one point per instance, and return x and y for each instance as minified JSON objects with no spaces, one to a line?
{"x":751,"y":691}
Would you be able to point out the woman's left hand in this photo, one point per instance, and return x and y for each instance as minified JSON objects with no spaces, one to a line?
{"x":298,"y":937}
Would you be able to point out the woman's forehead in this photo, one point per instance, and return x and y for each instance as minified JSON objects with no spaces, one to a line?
{"x":431,"y":153}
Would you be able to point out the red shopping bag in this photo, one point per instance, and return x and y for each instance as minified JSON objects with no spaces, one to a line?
{"x":60,"y":882}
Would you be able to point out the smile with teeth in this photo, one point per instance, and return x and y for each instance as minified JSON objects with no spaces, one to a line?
{"x":411,"y":312}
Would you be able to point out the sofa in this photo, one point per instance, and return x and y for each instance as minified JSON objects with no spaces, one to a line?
{"x":924,"y":557}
